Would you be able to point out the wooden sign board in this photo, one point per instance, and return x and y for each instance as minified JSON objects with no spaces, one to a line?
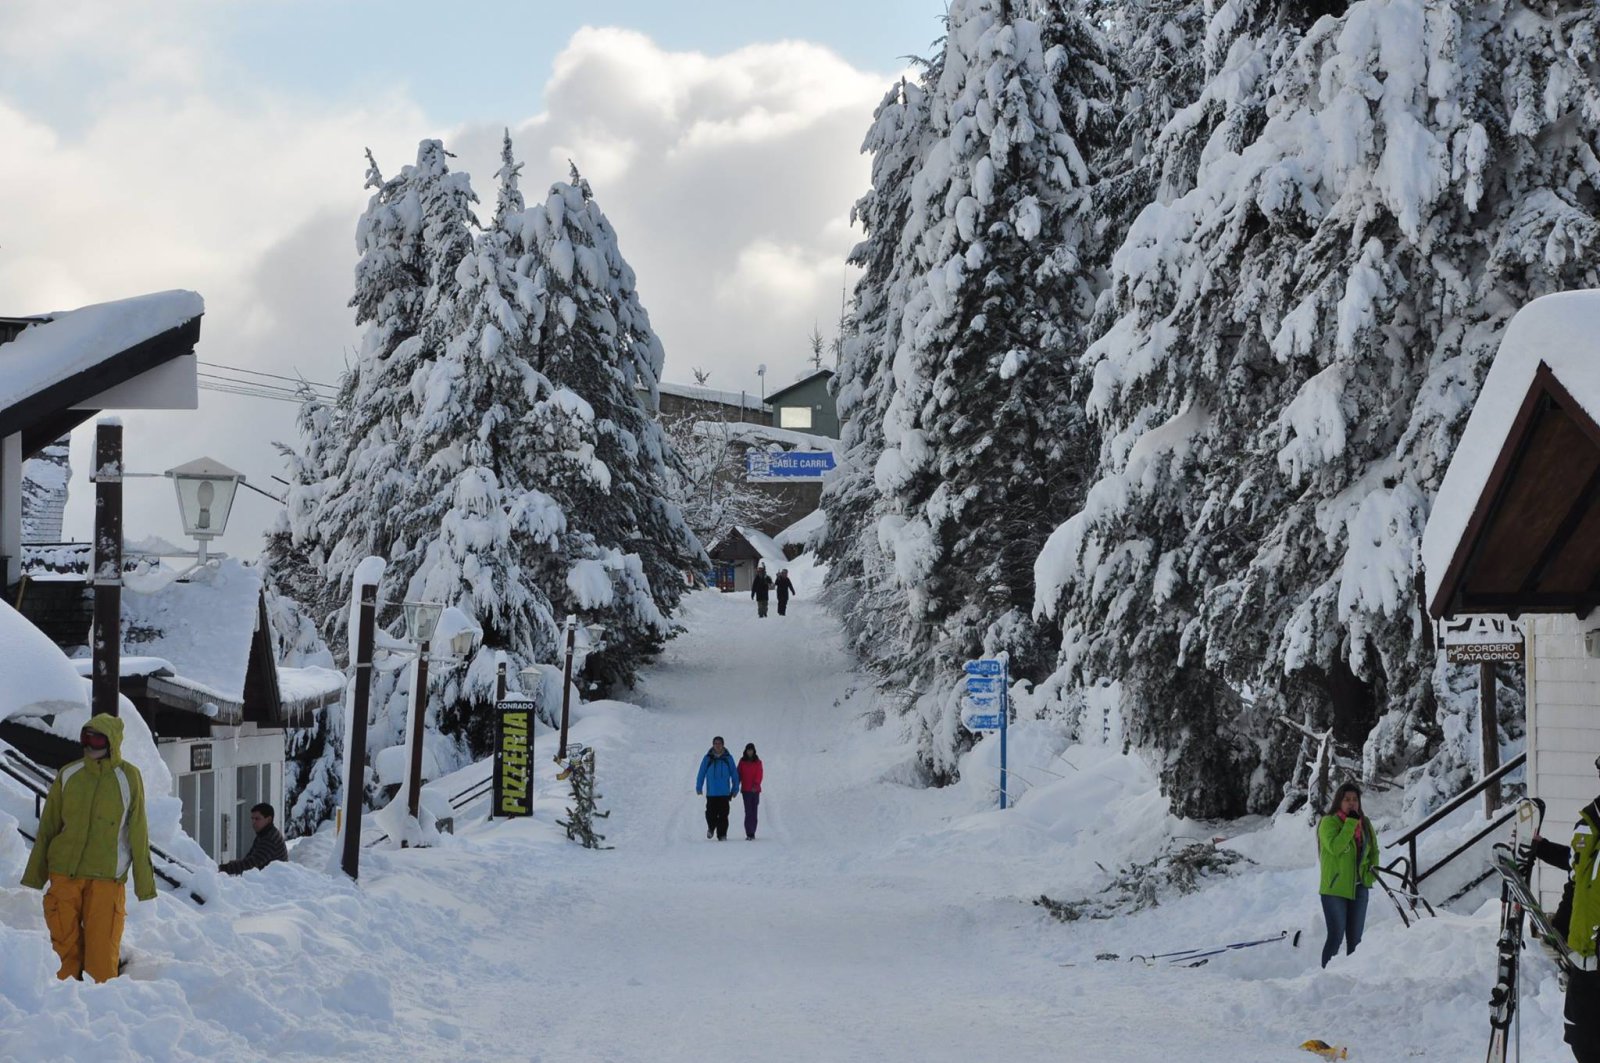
{"x":1484,"y":653}
{"x":1481,"y":638}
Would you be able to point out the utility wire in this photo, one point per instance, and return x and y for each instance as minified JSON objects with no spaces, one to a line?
{"x":273,"y":376}
{"x":258,"y":385}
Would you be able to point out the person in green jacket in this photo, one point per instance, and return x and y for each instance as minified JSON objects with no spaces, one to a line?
{"x":1348,"y":847}
{"x":92,"y":832}
{"x":1579,"y":916}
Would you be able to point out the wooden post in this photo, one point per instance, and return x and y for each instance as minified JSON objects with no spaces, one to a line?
{"x":1489,"y":733}
{"x":419,"y":708}
{"x":566,"y":685}
{"x":356,"y":750}
{"x":106,"y":643}
{"x":500,"y":680}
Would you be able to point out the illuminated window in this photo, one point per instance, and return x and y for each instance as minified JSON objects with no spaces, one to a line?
{"x":794,"y":417}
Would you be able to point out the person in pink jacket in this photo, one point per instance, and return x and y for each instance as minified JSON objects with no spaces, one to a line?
{"x":750,"y":788}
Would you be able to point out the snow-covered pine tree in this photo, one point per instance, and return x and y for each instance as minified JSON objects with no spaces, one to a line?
{"x":490,"y":537}
{"x":297,"y":600}
{"x":597,"y":347}
{"x":861,"y":589}
{"x":670,"y":549}
{"x":1290,"y":350}
{"x":353,"y":482}
{"x":415,"y":232}
{"x":985,"y":444}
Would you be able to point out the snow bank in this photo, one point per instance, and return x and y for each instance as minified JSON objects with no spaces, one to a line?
{"x":39,"y":679}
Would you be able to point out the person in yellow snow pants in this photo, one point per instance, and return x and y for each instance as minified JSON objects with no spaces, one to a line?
{"x":92,"y":833}
{"x":85,"y":917}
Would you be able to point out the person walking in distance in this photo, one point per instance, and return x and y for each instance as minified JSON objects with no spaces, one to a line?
{"x":785,"y":589}
{"x":92,"y":833}
{"x":719,"y":781}
{"x":750,"y":782}
{"x":1578,"y":916}
{"x":760,"y":587}
{"x":1347,"y":846}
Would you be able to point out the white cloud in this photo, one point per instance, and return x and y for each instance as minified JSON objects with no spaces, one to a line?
{"x":729,"y":179}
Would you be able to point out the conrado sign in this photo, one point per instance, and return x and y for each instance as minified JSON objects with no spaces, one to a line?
{"x":513,"y":760}
{"x":1481,"y":638}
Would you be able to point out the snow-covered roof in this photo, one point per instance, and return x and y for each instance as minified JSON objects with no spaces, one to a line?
{"x":203,"y":627}
{"x":304,"y":687}
{"x":808,"y":531}
{"x":766,"y":546}
{"x":803,"y":378}
{"x":1560,"y":331}
{"x":765,"y":435}
{"x":136,"y":667}
{"x":704,"y":394}
{"x":74,"y":341}
{"x":39,"y":679}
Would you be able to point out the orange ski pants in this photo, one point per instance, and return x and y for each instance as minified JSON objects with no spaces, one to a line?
{"x":85,"y":917}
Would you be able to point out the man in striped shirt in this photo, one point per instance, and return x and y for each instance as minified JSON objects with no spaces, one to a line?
{"x":268,"y":845}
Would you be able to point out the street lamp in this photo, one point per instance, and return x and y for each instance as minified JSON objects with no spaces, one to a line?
{"x":593,"y":640}
{"x":426,"y":621}
{"x":205,"y":490}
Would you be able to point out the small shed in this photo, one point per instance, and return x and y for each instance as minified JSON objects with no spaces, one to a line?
{"x":739,"y":552}
{"x":1515,"y":531}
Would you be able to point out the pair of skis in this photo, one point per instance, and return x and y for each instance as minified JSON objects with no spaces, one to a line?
{"x":1518,"y":904}
{"x":1508,"y":948}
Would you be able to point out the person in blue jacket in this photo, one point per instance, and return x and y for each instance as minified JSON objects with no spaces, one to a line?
{"x":719,"y":780}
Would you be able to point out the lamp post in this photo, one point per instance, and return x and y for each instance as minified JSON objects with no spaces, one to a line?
{"x":593,"y":634}
{"x":421,"y":620}
{"x":427,"y":623}
{"x":107,"y":575}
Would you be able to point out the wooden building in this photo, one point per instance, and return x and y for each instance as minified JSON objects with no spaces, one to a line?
{"x":1515,"y":532}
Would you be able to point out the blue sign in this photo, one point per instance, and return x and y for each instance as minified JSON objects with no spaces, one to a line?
{"x":983,"y":684}
{"x":785,"y":466}
{"x":983,"y":666}
{"x":984,"y":721}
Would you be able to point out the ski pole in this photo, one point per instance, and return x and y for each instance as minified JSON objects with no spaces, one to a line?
{"x":1211,"y":950}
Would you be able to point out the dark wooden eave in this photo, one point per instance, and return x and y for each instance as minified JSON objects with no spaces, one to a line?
{"x":48,"y":414}
{"x":733,"y":547}
{"x":1532,"y":544}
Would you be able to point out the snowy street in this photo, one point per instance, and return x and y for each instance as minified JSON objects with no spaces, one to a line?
{"x":869,"y":920}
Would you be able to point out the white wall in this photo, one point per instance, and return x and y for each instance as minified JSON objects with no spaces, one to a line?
{"x":231,"y":748}
{"x":1563,"y":730}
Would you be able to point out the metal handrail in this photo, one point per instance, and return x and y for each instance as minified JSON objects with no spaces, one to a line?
{"x":1414,"y":876}
{"x":1464,"y":796}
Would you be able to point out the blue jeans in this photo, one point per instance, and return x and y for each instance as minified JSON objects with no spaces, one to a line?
{"x":1346,"y":920}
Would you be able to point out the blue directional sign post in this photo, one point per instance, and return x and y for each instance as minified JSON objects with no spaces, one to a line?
{"x":984,"y":704}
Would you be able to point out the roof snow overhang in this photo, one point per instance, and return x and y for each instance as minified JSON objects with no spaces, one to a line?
{"x":1532,"y":543}
{"x":773,"y":398}
{"x":60,"y":389}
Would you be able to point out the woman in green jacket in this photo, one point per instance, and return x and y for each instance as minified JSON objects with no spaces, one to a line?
{"x":1348,"y":847}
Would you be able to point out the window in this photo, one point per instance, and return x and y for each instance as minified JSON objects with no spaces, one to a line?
{"x":198,"y":793}
{"x":794,"y":417}
{"x":252,"y":786}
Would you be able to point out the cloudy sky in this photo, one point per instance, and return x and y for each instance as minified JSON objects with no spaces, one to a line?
{"x":217,"y":145}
